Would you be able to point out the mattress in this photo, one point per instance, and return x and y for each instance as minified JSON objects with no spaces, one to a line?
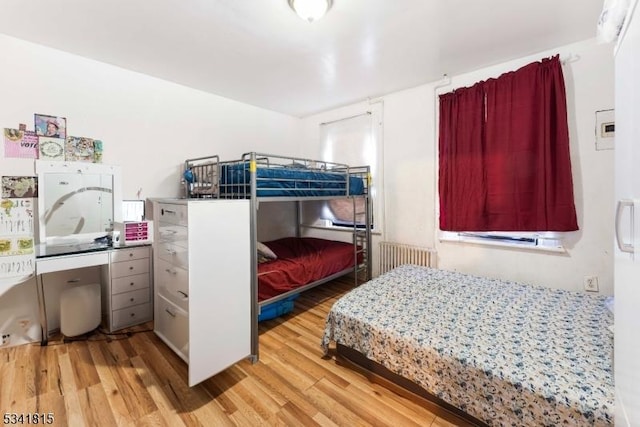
{"x":281,"y":181}
{"x":504,"y":352}
{"x":301,"y":261}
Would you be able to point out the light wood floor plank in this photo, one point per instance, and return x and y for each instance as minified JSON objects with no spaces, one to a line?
{"x":95,"y":406}
{"x":7,"y":373}
{"x":84,"y":369}
{"x":70,"y":392}
{"x":119,"y":409}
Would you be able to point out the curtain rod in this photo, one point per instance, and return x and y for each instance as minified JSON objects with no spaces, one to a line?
{"x":345,"y":118}
{"x":570,"y":58}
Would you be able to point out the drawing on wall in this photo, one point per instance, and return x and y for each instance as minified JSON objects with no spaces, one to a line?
{"x":20,"y":143}
{"x":51,"y":148}
{"x":16,"y":237}
{"x":79,"y":149}
{"x":50,"y":126}
{"x":19,"y":186}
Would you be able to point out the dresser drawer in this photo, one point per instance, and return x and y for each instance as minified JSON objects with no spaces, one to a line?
{"x":172,"y":324}
{"x":129,"y":299}
{"x":128,"y":268}
{"x":126,"y":254}
{"x":172,"y":283}
{"x":174,"y":214}
{"x":129,"y":283}
{"x":174,"y":254}
{"x":172,"y":233}
{"x":131,"y":316}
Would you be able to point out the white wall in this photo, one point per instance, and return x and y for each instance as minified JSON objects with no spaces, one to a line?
{"x":148,"y":126}
{"x":410,"y":176}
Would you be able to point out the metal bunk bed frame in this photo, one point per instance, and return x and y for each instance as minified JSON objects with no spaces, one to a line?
{"x":202,"y":179}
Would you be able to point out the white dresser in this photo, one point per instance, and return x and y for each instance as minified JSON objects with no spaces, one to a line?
{"x":202,"y":282}
{"x":126,"y":290}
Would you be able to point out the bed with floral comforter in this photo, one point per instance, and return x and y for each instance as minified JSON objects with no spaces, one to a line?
{"x":503,"y":352}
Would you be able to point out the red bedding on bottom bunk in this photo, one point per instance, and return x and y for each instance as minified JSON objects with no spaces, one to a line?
{"x":301,"y":261}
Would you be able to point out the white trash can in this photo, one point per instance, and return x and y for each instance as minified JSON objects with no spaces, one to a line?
{"x":80,"y":310}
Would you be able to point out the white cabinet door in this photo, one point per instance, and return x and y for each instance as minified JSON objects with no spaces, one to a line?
{"x":627,"y":250}
{"x":219,"y":286}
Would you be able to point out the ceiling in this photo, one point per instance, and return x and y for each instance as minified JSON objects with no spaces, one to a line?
{"x":260,"y":53}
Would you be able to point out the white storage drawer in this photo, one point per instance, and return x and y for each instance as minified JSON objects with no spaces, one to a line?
{"x":128,"y":268}
{"x":173,"y":283}
{"x":173,"y":254}
{"x":126,"y":254}
{"x":172,"y":213}
{"x":129,"y":283}
{"x":128,"y":299}
{"x":172,"y":233}
{"x":172,"y":325}
{"x":131,"y":315}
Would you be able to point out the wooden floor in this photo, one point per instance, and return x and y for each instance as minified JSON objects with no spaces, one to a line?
{"x":139,"y":381}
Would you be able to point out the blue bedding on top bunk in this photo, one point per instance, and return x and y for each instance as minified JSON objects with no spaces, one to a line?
{"x":285,"y":182}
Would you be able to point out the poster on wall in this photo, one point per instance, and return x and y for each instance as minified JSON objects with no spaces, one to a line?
{"x":51,"y":148}
{"x":50,"y":126}
{"x":17,"y":255}
{"x":19,"y":187}
{"x":20,"y":143}
{"x":97,"y":151}
{"x":79,"y":149}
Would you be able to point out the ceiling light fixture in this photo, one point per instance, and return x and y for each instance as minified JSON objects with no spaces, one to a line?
{"x":310,"y":10}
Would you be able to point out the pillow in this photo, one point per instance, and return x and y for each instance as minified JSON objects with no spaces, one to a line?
{"x":262,"y":259}
{"x":265,"y":251}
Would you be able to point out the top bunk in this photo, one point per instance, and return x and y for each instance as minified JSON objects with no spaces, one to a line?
{"x":272,"y":177}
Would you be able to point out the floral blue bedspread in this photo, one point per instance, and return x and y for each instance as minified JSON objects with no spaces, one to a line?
{"x":504,"y":352}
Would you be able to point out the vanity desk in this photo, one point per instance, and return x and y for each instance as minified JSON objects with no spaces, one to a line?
{"x":124,"y":275}
{"x":79,"y":204}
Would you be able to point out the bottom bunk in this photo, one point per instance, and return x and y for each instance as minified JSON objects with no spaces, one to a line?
{"x":502,"y":352}
{"x":291,"y":265}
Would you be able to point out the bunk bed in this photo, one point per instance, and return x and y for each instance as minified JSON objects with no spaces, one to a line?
{"x":499,"y":352}
{"x":292,"y":264}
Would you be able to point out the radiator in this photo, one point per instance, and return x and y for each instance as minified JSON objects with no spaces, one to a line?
{"x":394,"y":254}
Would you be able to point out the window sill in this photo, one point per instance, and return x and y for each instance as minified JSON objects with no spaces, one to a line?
{"x":502,"y":244}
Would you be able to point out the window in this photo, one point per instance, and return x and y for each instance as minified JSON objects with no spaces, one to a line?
{"x":355,"y":141}
{"x":504,"y":165}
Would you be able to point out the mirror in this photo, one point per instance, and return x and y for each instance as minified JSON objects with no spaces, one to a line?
{"x":76,"y":201}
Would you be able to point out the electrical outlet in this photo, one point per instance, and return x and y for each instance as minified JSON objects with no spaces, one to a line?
{"x":6,"y":339}
{"x":591,"y":283}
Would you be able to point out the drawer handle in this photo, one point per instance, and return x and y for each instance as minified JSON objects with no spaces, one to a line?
{"x":170,"y":313}
{"x":133,"y":315}
{"x":132,"y":299}
{"x":73,"y":281}
{"x":131,"y":254}
{"x":171,"y":252}
{"x":131,"y":284}
{"x":170,"y":271}
{"x":169,"y":212}
{"x":183,"y":294}
{"x":131,"y":268}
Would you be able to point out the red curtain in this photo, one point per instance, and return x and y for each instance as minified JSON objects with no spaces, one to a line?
{"x":504,"y":154}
